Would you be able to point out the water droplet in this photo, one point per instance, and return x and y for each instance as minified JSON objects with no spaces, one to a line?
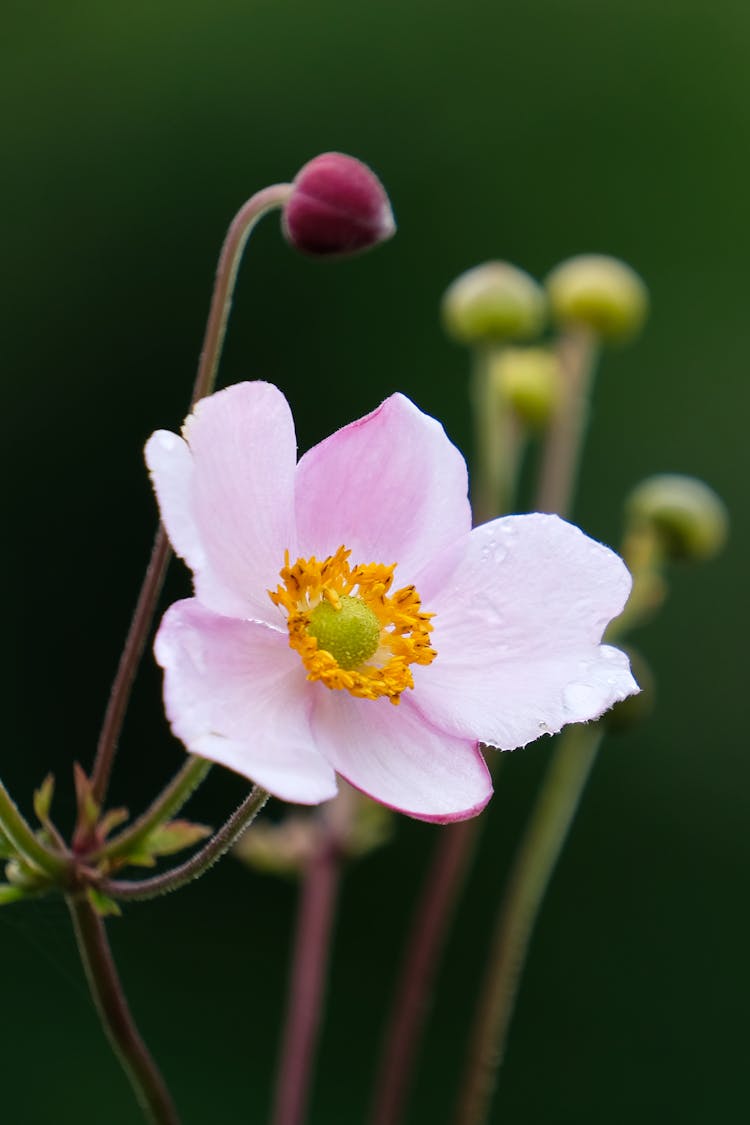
{"x":582,"y":701}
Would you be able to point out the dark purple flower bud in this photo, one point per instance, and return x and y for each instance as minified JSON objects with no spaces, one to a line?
{"x":338,"y":206}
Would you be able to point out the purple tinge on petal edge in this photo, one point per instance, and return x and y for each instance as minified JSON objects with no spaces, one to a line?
{"x":338,"y":206}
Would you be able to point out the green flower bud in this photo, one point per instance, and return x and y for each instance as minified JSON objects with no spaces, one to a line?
{"x":600,"y":293}
{"x":529,"y":379}
{"x":493,"y":302}
{"x":690,"y":518}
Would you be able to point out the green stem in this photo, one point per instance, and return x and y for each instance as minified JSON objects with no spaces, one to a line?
{"x":221,"y":302}
{"x":106,"y":990}
{"x":169,"y":801}
{"x":30,"y":848}
{"x":565,"y":436}
{"x":532,"y":870}
{"x":199,"y":863}
{"x":498,"y":441}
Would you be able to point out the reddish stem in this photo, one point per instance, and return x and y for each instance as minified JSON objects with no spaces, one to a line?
{"x":307,"y":985}
{"x":213,"y":340}
{"x":430,"y":926}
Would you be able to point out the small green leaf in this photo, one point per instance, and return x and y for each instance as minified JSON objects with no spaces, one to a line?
{"x":136,"y":859}
{"x":88,"y":807}
{"x":113,"y":818}
{"x":43,"y":799}
{"x":102,"y":904}
{"x":174,"y":836}
{"x":7,"y":851}
{"x":10,"y":894}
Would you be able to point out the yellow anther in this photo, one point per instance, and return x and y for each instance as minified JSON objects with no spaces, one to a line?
{"x":403,"y":630}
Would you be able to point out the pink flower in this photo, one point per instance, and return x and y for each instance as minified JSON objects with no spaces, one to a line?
{"x":306,"y":652}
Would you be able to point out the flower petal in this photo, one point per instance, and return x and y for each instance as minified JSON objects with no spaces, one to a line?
{"x":520,"y":609}
{"x":390,"y":486}
{"x":394,"y":755}
{"x":234,"y":693}
{"x":171,"y":467}
{"x":229,"y":510}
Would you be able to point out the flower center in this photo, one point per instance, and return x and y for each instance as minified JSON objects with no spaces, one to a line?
{"x":349,"y":630}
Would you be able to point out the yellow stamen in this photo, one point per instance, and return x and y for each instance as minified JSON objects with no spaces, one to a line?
{"x":404,"y":630}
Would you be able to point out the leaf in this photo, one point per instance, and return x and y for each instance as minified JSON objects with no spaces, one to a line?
{"x":9,"y":893}
{"x":43,"y":799}
{"x":102,"y":904}
{"x":174,"y":836}
{"x":113,"y":818}
{"x":88,"y":806}
{"x":7,"y":851}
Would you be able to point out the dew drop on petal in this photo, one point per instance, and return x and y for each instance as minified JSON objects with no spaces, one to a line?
{"x":582,"y":700}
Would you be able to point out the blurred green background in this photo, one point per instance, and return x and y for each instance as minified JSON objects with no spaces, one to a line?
{"x":130,"y":135}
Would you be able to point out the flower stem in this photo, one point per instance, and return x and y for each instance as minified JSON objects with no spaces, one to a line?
{"x":535,"y":862}
{"x":169,"y":801}
{"x":564,"y":440}
{"x":432,"y":919}
{"x":199,"y":863}
{"x":30,"y":848}
{"x":498,"y":449}
{"x":307,"y":985}
{"x":106,"y":990}
{"x":254,"y":209}
{"x":498,"y":441}
{"x":563,"y":783}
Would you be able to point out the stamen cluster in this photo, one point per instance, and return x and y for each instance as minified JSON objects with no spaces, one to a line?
{"x":404,"y":628}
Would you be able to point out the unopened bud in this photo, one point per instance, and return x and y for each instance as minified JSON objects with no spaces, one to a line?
{"x":338,"y":206}
{"x":493,"y":302}
{"x":529,"y":380}
{"x":600,"y":293}
{"x":689,"y":517}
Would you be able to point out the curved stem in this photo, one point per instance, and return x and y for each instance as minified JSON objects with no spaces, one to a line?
{"x":432,"y":919}
{"x":307,"y":985}
{"x":564,"y":439}
{"x":106,"y":990}
{"x":221,"y":302}
{"x":169,"y":801}
{"x":198,"y":864}
{"x":532,"y":870}
{"x":30,"y":848}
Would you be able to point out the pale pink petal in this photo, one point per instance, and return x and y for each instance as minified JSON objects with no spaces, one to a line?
{"x":393,"y":755}
{"x":391,"y":486}
{"x":229,"y":506}
{"x":171,"y":467}
{"x":235,"y":693}
{"x":520,"y":609}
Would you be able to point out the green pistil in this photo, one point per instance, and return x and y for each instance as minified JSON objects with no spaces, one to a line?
{"x":350,"y":632}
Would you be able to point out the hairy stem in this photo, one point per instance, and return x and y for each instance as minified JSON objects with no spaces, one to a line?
{"x":199,"y":863}
{"x":169,"y":801}
{"x":258,"y":205}
{"x":14,"y":827}
{"x":106,"y":990}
